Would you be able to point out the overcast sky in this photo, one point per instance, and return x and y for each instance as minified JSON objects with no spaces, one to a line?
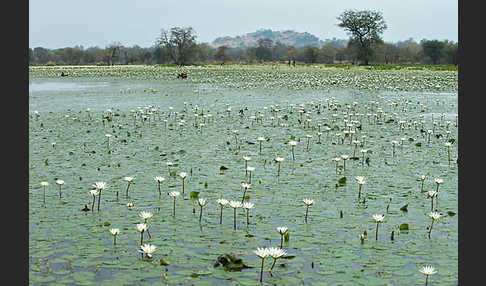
{"x":57,"y":24}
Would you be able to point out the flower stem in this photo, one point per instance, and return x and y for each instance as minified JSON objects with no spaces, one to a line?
{"x":281,"y":241}
{"x":377,"y":230}
{"x":274,"y":261}
{"x":306,"y":213}
{"x":99,"y":199}
{"x":261,"y":271}
{"x":200,"y":215}
{"x":221,"y":215}
{"x":127,"y":189}
{"x":234,"y":219}
{"x":430,"y":229}
{"x":92,"y":206}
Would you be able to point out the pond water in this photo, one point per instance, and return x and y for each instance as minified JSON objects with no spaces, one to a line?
{"x":71,"y":246}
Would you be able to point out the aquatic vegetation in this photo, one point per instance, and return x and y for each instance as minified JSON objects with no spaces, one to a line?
{"x":188,"y":127}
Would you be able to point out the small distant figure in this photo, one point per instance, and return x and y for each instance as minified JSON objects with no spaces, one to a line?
{"x":293,"y":63}
{"x":85,"y":209}
{"x":182,"y":75}
{"x":63,"y":74}
{"x":222,"y":64}
{"x":289,"y":63}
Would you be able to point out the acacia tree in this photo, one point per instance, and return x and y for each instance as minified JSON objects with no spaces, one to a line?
{"x":179,"y":43}
{"x":364,"y":28}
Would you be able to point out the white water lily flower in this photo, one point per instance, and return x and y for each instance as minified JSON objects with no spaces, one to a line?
{"x":202,"y":202}
{"x":279,"y":159}
{"x":360,"y":180}
{"x":308,"y":202}
{"x":183,"y":175}
{"x":100,"y":185}
{"x":114,"y":231}
{"x":174,"y":194}
{"x":248,"y":205}
{"x":262,"y":252}
{"x":378,"y":217}
{"x":246,"y":158}
{"x":142,"y":227}
{"x":148,"y":249}
{"x":60,"y":182}
{"x":292,"y":143}
{"x":344,"y":157}
{"x":223,"y":202}
{"x":428,"y":270}
{"x":159,"y":179}
{"x":235,"y":204}
{"x":108,"y":135}
{"x":129,"y":205}
{"x":276,"y":252}
{"x":145,"y":215}
{"x":432,"y":193}
{"x":250,"y":169}
{"x":44,"y":184}
{"x":438,"y":181}
{"x":94,"y":193}
{"x":282,"y":230}
{"x":169,"y":163}
{"x":434,"y":215}
{"x":128,"y":179}
{"x":261,"y":138}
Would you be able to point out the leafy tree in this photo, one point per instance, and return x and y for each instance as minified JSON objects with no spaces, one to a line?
{"x":222,"y":54}
{"x":434,"y":49}
{"x":180,"y":44}
{"x":310,"y":54}
{"x":365,"y":28}
{"x":327,"y":54}
{"x":264,"y":49}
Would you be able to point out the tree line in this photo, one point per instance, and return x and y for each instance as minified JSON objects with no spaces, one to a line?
{"x":402,"y":52}
{"x":178,"y":46}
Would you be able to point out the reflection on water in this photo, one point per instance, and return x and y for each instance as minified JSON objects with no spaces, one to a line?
{"x":55,"y":86}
